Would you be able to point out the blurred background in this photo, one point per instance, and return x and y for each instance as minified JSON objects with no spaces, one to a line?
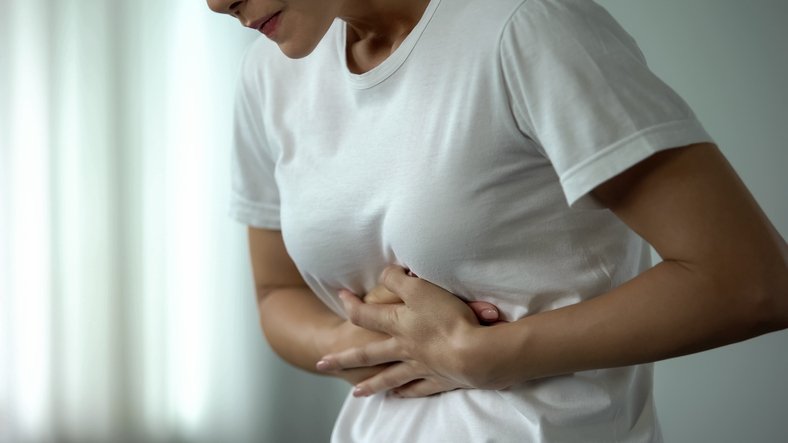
{"x":126,"y":305}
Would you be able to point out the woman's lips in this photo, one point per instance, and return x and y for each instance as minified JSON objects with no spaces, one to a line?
{"x":268,"y":25}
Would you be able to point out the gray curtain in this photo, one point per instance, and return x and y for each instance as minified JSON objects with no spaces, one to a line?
{"x":126,"y":303}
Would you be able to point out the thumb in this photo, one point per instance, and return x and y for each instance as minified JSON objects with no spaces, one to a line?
{"x":485,"y":312}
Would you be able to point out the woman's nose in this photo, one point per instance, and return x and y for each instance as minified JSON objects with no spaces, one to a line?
{"x":225,"y":6}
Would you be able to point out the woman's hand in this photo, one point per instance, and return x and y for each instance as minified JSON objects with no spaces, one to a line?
{"x":486,"y":313}
{"x":429,"y":333}
{"x":346,"y":333}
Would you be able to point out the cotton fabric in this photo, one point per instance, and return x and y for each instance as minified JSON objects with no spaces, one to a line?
{"x":468,"y":157}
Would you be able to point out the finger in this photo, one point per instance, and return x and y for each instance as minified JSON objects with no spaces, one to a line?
{"x":397,"y":280}
{"x":375,"y":317}
{"x":485,"y":312}
{"x":381,"y":295}
{"x":392,"y":377}
{"x":422,"y":388}
{"x":373,"y":354}
{"x":357,"y":375}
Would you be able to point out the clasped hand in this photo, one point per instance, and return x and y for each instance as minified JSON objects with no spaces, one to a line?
{"x":429,"y":331}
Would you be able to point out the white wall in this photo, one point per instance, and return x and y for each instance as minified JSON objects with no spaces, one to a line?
{"x":729,"y":60}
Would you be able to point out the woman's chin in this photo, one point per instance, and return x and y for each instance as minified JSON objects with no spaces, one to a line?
{"x":294,"y":50}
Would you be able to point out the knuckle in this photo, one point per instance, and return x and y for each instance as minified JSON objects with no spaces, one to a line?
{"x":393,"y":316}
{"x":386,"y":276}
{"x":362,"y":357}
{"x":387,"y":381}
{"x":391,"y":380}
{"x":412,"y":286}
{"x":354,"y":315}
{"x":392,"y":277}
{"x":421,"y":371}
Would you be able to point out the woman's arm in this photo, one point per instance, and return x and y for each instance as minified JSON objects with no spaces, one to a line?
{"x":297,"y":325}
{"x":723,"y":279}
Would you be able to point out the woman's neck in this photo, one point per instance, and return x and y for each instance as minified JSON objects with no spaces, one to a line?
{"x":376,"y":28}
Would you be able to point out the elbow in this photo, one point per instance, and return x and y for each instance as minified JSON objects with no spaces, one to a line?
{"x":750,"y":300}
{"x":759,"y":285}
{"x":779,"y":302}
{"x":262,"y":292}
{"x":265,"y":292}
{"x":771,"y":307}
{"x":779,"y":287}
{"x":781,"y":293}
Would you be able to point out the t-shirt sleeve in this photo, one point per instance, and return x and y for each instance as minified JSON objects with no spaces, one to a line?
{"x":254,"y":198}
{"x":580,"y":88}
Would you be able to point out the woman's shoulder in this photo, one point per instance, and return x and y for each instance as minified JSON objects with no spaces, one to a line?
{"x":556,"y":17}
{"x":502,"y":12}
{"x":483,"y":24}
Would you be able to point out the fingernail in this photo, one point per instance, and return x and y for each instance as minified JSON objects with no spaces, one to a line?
{"x":344,"y":295}
{"x":323,"y":365}
{"x":490,"y":314}
{"x":359,"y":392}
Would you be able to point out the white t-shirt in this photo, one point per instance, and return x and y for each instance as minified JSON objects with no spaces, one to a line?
{"x":467,"y":156}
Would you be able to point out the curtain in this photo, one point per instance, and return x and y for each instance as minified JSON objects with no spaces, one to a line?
{"x":126,"y":304}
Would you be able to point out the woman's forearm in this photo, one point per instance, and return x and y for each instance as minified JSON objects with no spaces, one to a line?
{"x":724,"y":277}
{"x":300,"y":328}
{"x":672,"y":309}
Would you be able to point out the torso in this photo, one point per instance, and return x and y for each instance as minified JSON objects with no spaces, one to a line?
{"x":419,"y":162}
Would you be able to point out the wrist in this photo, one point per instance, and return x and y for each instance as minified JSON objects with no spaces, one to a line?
{"x":340,"y":335}
{"x":491,"y":355}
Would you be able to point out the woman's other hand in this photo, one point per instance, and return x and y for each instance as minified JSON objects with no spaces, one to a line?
{"x":427,"y":332}
{"x":486,"y":314}
{"x":346,"y":332}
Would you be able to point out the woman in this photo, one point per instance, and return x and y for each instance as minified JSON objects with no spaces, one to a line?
{"x":516,"y":152}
